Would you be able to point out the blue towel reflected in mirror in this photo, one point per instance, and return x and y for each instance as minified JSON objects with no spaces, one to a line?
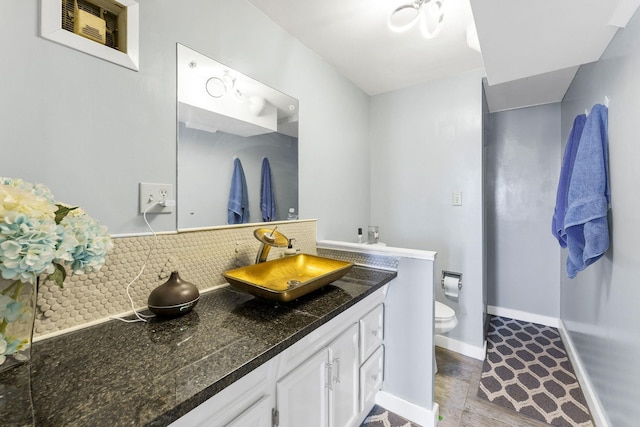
{"x":238,"y":207}
{"x":267,"y":200}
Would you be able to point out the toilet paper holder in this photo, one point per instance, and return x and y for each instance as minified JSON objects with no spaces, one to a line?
{"x":451,"y":274}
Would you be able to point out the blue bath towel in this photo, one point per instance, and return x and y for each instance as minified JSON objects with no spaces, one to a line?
{"x":267,"y":201}
{"x":557,"y":223}
{"x":238,"y":208}
{"x":586,"y":222}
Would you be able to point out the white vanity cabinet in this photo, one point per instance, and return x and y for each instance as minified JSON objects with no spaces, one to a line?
{"x":323,"y":391}
{"x":328,"y":378}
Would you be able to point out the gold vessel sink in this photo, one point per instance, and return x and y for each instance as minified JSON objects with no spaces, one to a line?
{"x":288,"y":278}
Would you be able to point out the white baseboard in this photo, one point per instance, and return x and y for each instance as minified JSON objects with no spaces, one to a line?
{"x":599,"y":417}
{"x":524,"y":316}
{"x":414,"y":413}
{"x":461,"y":347}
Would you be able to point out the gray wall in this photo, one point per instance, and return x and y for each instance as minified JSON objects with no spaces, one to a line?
{"x":523,"y":165}
{"x":92,"y":130}
{"x":600,"y":306}
{"x":426,"y":143}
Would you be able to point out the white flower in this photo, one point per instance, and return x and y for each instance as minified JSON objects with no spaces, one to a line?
{"x":38,"y":235}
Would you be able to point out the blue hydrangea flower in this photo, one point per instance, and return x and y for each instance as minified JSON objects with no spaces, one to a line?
{"x":93,"y":242}
{"x":27,"y":247}
{"x":10,"y":309}
{"x":33,"y":243}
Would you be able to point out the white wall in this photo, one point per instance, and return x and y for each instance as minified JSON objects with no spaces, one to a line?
{"x":523,"y":166}
{"x":91,"y":130}
{"x":426,"y":143}
{"x":599,"y":306}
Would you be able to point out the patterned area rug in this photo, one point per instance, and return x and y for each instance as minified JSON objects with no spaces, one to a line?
{"x":380,"y":417}
{"x":527,"y":370}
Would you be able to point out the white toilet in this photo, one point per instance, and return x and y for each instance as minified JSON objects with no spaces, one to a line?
{"x":445,"y":320}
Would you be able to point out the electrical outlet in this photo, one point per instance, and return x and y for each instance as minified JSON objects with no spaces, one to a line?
{"x":153,"y":193}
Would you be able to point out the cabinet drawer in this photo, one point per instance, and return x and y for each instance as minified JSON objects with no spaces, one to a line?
{"x":371,"y":375}
{"x":371,"y":332}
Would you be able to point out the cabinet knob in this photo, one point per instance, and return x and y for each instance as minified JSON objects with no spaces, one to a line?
{"x":374,"y":377}
{"x":374,"y":332}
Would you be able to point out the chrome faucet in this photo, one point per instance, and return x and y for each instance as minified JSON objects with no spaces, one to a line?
{"x":268,"y":238}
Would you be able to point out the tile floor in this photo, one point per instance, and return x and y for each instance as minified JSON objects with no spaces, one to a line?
{"x":456,"y":391}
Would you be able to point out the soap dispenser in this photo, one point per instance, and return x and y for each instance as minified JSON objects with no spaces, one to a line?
{"x":290,"y":251}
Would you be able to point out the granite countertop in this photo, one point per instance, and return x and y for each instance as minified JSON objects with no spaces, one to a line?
{"x":150,"y":374}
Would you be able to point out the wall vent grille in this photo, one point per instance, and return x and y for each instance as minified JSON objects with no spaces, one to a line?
{"x":110,"y":16}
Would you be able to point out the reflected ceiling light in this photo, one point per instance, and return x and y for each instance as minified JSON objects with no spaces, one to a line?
{"x":429,"y":12}
{"x":219,"y":86}
{"x":215,"y":87}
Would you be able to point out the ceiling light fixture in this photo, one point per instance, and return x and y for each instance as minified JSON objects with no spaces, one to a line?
{"x":429,"y":12}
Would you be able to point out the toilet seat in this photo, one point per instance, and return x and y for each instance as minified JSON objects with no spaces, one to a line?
{"x":445,"y":318}
{"x":444,"y":313}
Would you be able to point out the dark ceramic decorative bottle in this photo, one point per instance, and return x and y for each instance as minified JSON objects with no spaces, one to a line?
{"x":173,"y":298}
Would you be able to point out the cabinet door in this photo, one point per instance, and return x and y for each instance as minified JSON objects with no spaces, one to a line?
{"x":343,"y":390}
{"x":257,"y":415}
{"x":371,"y":332}
{"x":301,"y":396}
{"x":371,"y":378}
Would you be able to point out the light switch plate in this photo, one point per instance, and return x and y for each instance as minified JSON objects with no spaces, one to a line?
{"x":457,"y":198}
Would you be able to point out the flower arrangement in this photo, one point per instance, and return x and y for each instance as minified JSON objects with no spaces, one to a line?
{"x":40,"y":237}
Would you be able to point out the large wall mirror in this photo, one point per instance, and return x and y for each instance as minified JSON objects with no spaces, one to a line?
{"x":237,"y":146}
